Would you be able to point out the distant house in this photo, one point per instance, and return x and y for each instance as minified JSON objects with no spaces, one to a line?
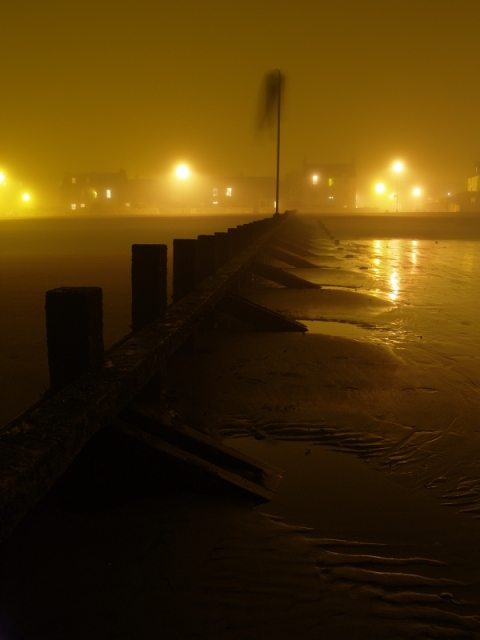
{"x":467,"y":201}
{"x":328,"y":187}
{"x":84,"y":190}
{"x":257,"y":194}
{"x":116,"y":192}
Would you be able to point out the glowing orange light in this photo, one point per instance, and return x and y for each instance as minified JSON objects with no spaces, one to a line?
{"x":182,"y":172}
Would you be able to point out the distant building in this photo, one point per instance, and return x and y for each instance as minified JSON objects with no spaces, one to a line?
{"x":108,"y":191}
{"x":115,"y":192}
{"x":256,"y":194}
{"x":328,"y":188}
{"x":467,"y":201}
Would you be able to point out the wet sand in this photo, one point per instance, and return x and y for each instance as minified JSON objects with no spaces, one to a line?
{"x":373,"y":532}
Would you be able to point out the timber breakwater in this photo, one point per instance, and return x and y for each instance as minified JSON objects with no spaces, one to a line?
{"x":91,"y":388}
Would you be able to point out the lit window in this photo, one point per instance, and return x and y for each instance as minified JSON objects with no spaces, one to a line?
{"x":82,"y":206}
{"x":330,"y":197}
{"x":127,"y":204}
{"x":229,"y":191}
{"x":73,"y":207}
{"x":74,"y":180}
{"x":95,"y":194}
{"x":315,"y":179}
{"x":215,"y":202}
{"x":215,"y":192}
{"x":109,"y":193}
{"x":330,"y":182}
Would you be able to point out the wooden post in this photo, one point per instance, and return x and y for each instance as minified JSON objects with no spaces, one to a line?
{"x":74,"y":317}
{"x":221,"y":249}
{"x":234,"y":242}
{"x":183,"y":267}
{"x":205,"y":258}
{"x":149,"y":283}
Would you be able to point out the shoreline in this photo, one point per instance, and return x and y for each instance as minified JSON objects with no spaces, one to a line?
{"x":357,"y":542}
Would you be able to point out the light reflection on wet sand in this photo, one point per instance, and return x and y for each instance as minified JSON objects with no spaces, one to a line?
{"x":433,"y":284}
{"x":251,"y":568}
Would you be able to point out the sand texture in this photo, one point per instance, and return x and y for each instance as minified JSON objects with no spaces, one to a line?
{"x":373,"y":417}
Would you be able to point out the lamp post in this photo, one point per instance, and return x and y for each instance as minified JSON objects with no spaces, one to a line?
{"x":380,"y":191}
{"x":182,"y":172}
{"x":398,"y":168}
{"x":416,"y":193}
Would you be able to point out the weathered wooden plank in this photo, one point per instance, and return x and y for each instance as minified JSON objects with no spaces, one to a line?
{"x":284,"y":278}
{"x":36,"y":449}
{"x":158,"y":421}
{"x":261,"y":318}
{"x":297,"y":248}
{"x":195,"y":461}
{"x":184,"y":251}
{"x":289,"y":258}
{"x":149,"y":283}
{"x":74,"y":318}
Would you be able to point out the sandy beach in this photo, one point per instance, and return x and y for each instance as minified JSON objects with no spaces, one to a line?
{"x":372,"y":415}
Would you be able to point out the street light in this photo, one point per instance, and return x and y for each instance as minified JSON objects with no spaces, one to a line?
{"x":182,"y":172}
{"x":380,"y":188}
{"x":398,"y":168}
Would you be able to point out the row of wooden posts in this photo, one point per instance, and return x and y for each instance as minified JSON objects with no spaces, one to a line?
{"x":90,"y":388}
{"x":74,"y":314}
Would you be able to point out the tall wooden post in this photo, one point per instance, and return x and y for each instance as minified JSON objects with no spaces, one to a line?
{"x":184,"y":251}
{"x":149,"y":283}
{"x":205,"y":258}
{"x":234,"y":242}
{"x":222,"y":245}
{"x":74,"y":318}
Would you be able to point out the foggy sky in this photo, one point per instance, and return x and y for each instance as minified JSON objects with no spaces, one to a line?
{"x":101,"y":85}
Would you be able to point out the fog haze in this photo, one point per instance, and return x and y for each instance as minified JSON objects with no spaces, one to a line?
{"x":140,"y":86}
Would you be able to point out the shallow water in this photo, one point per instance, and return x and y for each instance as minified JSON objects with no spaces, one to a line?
{"x":433,"y":290}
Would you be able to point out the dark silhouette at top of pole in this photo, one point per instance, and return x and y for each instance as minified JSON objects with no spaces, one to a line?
{"x":270,"y":106}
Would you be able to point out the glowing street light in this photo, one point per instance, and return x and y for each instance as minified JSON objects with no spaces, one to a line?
{"x":417,"y":192}
{"x":26,"y":197}
{"x":182,"y":172}
{"x":2,"y":177}
{"x":398,"y":168}
{"x":380,"y":188}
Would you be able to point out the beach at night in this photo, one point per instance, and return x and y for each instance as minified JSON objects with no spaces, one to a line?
{"x":372,"y":415}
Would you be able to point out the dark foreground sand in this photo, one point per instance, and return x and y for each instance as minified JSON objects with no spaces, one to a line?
{"x":373,"y":533}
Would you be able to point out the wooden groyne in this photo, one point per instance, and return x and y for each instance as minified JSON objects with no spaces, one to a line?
{"x":91,"y":388}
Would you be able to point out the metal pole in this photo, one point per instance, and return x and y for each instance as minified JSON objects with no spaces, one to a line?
{"x":277,"y":188}
{"x":396,"y":208}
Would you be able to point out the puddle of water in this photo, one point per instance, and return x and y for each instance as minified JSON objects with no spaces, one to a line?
{"x":342,"y":329}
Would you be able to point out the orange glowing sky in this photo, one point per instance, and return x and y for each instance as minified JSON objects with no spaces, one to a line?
{"x":100,"y":85}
